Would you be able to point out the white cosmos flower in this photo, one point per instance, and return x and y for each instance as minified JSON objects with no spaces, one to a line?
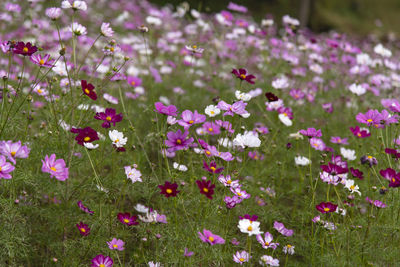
{"x":302,"y":161}
{"x":77,"y":29}
{"x":106,"y":30}
{"x":248,"y":139}
{"x":141,"y":208}
{"x":280,"y":83}
{"x":348,"y":154}
{"x":180,"y":167}
{"x":285,"y":119}
{"x":249,"y":227}
{"x":117,"y":138}
{"x":90,"y":145}
{"x":382,"y":51}
{"x":242,"y":96}
{"x":133,"y":174}
{"x":212,"y":111}
{"x":353,"y":188}
{"x":357,"y":89}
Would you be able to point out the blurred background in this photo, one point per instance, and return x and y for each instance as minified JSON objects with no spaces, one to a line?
{"x":359,"y":17}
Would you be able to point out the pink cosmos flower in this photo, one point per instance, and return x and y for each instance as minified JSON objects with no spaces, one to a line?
{"x":190,"y":118}
{"x":360,"y":133}
{"x":5,"y":168}
{"x":280,"y":227}
{"x":371,"y":118}
{"x":188,"y":253}
{"x":227,"y":181}
{"x":166,"y":110}
{"x":266,"y":242}
{"x":376,"y":203}
{"x":240,"y":193}
{"x":241,"y":257}
{"x":44,"y":61}
{"x":84,"y":208}
{"x":56,"y":168}
{"x":208,"y":237}
{"x":211,"y":128}
{"x":317,"y":144}
{"x":116,"y":244}
{"x":311,"y":132}
{"x":339,"y":140}
{"x":232,"y":201}
{"x":134,"y":81}
{"x":236,"y":108}
{"x":13,"y":150}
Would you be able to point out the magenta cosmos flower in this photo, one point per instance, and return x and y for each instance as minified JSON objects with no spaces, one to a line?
{"x":242,"y":75}
{"x":311,"y":132}
{"x":325,"y":207}
{"x":109,"y":116}
{"x":134,"y":81}
{"x":24,"y":49}
{"x":371,"y":118}
{"x":238,"y":107}
{"x":127,"y":219}
{"x":85,"y":135}
{"x":44,"y":61}
{"x":190,"y":118}
{"x":56,"y":168}
{"x":211,"y":128}
{"x":84,"y":229}
{"x":169,"y":189}
{"x":359,"y":133}
{"x":88,"y":89}
{"x":5,"y":168}
{"x":170,"y":110}
{"x":116,"y":244}
{"x":13,"y":150}
{"x":208,"y":237}
{"x":206,"y":188}
{"x":178,"y":140}
{"x":84,"y":208}
{"x":102,"y":261}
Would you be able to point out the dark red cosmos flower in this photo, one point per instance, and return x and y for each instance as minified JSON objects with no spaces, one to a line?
{"x":168,"y":189}
{"x":333,"y":169}
{"x":206,"y":188}
{"x":212,"y":167}
{"x":392,"y":152}
{"x":24,"y":49}
{"x":86,"y":135}
{"x":391,"y":175}
{"x":271,"y":97}
{"x":359,"y":133}
{"x":325,"y":207}
{"x":84,"y":229}
{"x":88,"y":89}
{"x":242,"y":74}
{"x":127,"y":219}
{"x":357,"y":173}
{"x":109,"y":116}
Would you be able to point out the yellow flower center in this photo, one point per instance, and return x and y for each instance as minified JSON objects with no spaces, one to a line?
{"x":102,"y":265}
{"x":393,"y":180}
{"x":86,"y":139}
{"x":169,"y":191}
{"x":326,"y":209}
{"x":369,"y":120}
{"x":205,"y":190}
{"x":249,"y":228}
{"x":41,"y":62}
{"x":210,"y":129}
{"x":126,"y":220}
{"x":288,"y":246}
{"x":40,"y":91}
{"x":242,"y":259}
{"x":243,"y":76}
{"x":229,"y":182}
{"x":13,"y":153}
{"x":83,"y":230}
{"x":194,"y":46}
{"x":213,"y":169}
{"x":212,"y":112}
{"x":0,"y":169}
{"x":370,"y":157}
{"x":133,"y":83}
{"x":339,"y":140}
{"x":211,"y":238}
{"x":284,"y":113}
{"x":179,"y":141}
{"x":112,"y":50}
{"x":108,"y":118}
{"x":315,"y":144}
{"x":25,"y":49}
{"x":116,"y":140}
{"x":239,"y":194}
{"x":115,"y":246}
{"x":87,"y":91}
{"x":53,"y":169}
{"x":191,"y":121}
{"x":208,"y":152}
{"x":359,"y":134}
{"x":352,"y":187}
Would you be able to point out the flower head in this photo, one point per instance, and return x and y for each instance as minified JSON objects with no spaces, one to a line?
{"x":242,"y":75}
{"x":178,"y":140}
{"x":84,"y":208}
{"x":13,"y":150}
{"x":84,"y":229}
{"x":280,"y":227}
{"x":169,"y":189}
{"x":311,"y":132}
{"x":24,"y":49}
{"x":5,"y":168}
{"x":268,"y":260}
{"x":88,"y":89}
{"x":133,"y":174}
{"x":117,"y":138}
{"x":208,"y":237}
{"x":42,"y":61}
{"x":78,"y":29}
{"x":102,"y":261}
{"x":326,"y":207}
{"x":109,"y":116}
{"x":116,"y":244}
{"x":56,"y":168}
{"x":166,"y":110}
{"x":212,"y":168}
{"x":85,"y":135}
{"x":241,"y":257}
{"x":53,"y":13}
{"x":206,"y":188}
{"x":266,"y":242}
{"x":249,"y":227}
{"x":126,"y":218}
{"x":106,"y":30}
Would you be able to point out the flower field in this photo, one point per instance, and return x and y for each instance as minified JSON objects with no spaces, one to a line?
{"x":141,"y":135}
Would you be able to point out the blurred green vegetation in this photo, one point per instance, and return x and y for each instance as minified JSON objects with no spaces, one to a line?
{"x":360,"y":17}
